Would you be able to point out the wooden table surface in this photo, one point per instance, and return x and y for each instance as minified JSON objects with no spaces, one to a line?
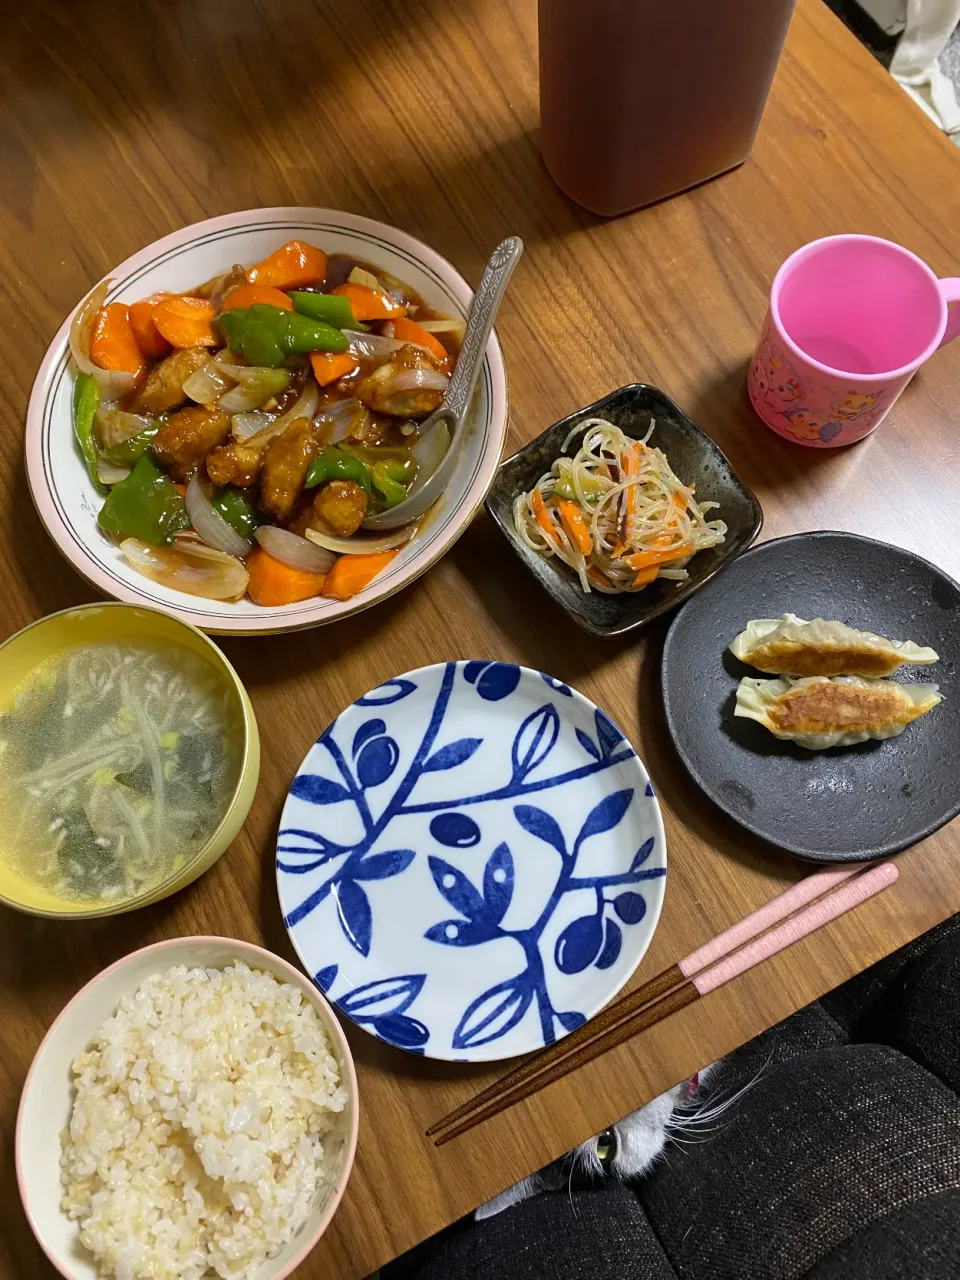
{"x":125,"y":119}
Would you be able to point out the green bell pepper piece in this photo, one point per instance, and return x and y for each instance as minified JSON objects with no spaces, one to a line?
{"x":333,"y":464}
{"x":86,"y":401}
{"x":238,"y":511}
{"x":266,"y":335}
{"x":332,"y":308}
{"x":146,"y":506}
{"x":392,"y":490}
{"x":132,"y":450}
{"x":401,"y":464}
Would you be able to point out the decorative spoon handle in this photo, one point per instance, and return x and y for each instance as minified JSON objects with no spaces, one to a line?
{"x":486,"y":303}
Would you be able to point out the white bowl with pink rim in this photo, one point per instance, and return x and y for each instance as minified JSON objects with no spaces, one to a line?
{"x":47,"y":1098}
{"x":68,"y":503}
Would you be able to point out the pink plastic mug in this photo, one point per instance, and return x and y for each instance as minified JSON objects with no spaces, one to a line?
{"x":851,"y":320}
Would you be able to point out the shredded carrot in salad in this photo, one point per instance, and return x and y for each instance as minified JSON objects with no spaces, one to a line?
{"x":616,"y":513}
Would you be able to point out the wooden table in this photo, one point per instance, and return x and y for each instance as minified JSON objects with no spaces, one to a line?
{"x":125,"y":119}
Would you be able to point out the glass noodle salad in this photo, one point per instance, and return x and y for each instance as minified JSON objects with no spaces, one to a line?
{"x":615,"y":512}
{"x":241,"y":433}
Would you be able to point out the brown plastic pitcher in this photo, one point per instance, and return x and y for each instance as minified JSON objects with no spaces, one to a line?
{"x":640,"y":99}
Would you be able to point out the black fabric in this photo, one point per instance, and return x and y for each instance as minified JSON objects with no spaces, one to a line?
{"x":599,"y":1234}
{"x":921,"y":1242}
{"x":840,"y":1161}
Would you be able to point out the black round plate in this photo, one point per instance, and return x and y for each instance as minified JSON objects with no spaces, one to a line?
{"x":849,"y":803}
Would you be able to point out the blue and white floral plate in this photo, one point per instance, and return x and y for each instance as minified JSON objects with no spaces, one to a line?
{"x":471,"y":861}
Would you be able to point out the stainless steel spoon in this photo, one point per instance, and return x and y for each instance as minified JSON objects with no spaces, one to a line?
{"x":451,"y":415}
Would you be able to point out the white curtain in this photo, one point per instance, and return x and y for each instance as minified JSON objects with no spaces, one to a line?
{"x":929,"y":26}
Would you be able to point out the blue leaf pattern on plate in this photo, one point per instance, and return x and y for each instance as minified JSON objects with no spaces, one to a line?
{"x":326,"y":977}
{"x":541,"y":824}
{"x":606,"y":815}
{"x":535,"y":739}
{"x":457,"y":889}
{"x":498,"y":883}
{"x":386,"y":995}
{"x":354,"y":789}
{"x":493,"y":1013}
{"x":461,"y":933}
{"x":387,"y":693}
{"x":608,"y":735}
{"x":380,"y":866}
{"x":356,"y":919}
{"x":316,"y":790}
{"x":452,"y":754}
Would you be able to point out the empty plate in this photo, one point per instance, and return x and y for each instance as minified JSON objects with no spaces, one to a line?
{"x":471,"y":861}
{"x":848,"y":803}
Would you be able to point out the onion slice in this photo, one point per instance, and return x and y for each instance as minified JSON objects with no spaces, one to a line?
{"x":294,"y":551}
{"x":363,"y":546}
{"x":110,"y":472}
{"x":191,"y":567}
{"x":246,"y":425}
{"x":115,"y":426}
{"x":341,"y":419}
{"x":210,"y":524}
{"x":412,"y":379}
{"x":365,"y":278}
{"x":444,"y":326}
{"x":209,"y":382}
{"x":305,"y":407}
{"x":374,"y":345}
{"x":428,"y":452}
{"x":113,"y":383}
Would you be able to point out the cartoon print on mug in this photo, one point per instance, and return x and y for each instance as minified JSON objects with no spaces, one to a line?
{"x":805,"y":424}
{"x":774,"y":379}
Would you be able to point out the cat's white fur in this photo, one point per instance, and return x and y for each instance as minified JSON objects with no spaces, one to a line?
{"x":640,"y":1139}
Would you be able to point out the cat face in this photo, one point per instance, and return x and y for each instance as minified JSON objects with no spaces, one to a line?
{"x":629,"y":1148}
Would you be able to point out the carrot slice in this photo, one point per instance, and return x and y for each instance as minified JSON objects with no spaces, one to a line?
{"x":351,"y":574}
{"x":248,"y":295}
{"x":148,"y":337}
{"x":680,"y":500}
{"x":645,"y":577}
{"x":329,"y":366}
{"x":543,"y":516}
{"x":272,"y":583}
{"x":186,"y":321}
{"x":292,"y":266}
{"x":112,"y":344}
{"x":597,"y":576}
{"x":630,"y":469}
{"x":370,"y":304}
{"x":575,"y":525}
{"x":405,"y":330}
{"x":644,"y":559}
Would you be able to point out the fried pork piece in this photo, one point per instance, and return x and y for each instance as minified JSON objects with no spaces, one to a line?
{"x":379,"y":391}
{"x":340,"y":506}
{"x":235,"y":463}
{"x":185,"y":439}
{"x":163,"y":389}
{"x":286,"y":460}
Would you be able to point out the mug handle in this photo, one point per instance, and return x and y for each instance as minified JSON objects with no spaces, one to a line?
{"x":951,"y":293}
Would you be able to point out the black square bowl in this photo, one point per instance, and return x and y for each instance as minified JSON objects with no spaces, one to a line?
{"x":696,"y":460}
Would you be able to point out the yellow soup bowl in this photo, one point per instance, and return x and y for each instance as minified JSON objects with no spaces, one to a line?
{"x":53,"y":636}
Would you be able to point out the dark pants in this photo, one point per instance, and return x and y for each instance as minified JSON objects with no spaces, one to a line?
{"x":842,"y":1162}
